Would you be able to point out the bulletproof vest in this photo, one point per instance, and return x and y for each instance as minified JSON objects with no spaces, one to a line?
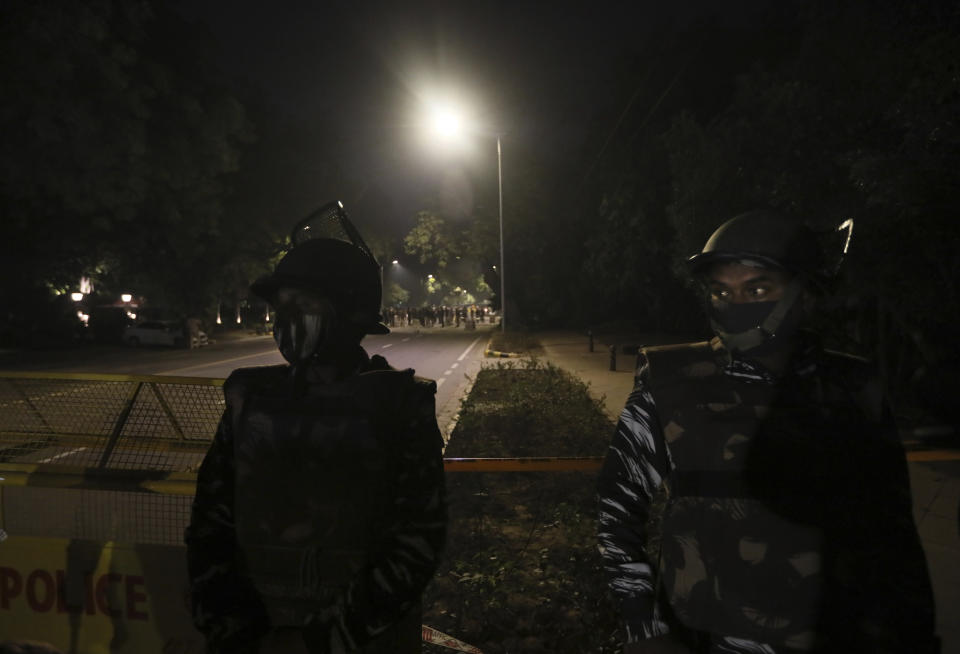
{"x":313,"y":482}
{"x":757,"y":476}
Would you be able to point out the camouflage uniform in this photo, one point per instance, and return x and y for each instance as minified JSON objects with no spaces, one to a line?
{"x":745,"y":513}
{"x":320,"y":507}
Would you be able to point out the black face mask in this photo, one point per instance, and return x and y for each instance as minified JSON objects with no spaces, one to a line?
{"x":735,"y":318}
{"x":759,"y":328}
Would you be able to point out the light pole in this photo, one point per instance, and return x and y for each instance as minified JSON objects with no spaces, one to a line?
{"x":447,"y":122}
{"x":503,"y":297}
{"x":383,"y":289}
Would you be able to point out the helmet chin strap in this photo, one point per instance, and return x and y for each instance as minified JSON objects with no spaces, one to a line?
{"x":767,"y":330}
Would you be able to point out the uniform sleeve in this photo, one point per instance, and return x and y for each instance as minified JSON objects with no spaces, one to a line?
{"x":408,"y":553}
{"x":225,"y":606}
{"x":635,"y":464}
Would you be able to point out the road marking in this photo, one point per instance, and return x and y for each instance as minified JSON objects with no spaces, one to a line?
{"x":448,"y":372}
{"x":404,"y":340}
{"x":454,"y":366}
{"x":467,"y":351}
{"x":440,"y":381}
{"x":215,"y":363}
{"x":384,"y":347}
{"x":62,"y":454}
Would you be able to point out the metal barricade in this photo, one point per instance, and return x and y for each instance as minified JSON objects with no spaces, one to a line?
{"x":102,"y":457}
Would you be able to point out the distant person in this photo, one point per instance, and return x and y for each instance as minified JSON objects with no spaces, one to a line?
{"x":755,"y":496}
{"x":320,"y":511}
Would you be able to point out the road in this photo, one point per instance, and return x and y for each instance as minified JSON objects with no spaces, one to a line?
{"x":440,"y":354}
{"x":449,"y":355}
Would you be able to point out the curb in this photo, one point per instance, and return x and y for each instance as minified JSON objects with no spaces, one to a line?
{"x":487,"y":352}
{"x":501,"y":355}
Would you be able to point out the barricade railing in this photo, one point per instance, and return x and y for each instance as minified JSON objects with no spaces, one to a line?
{"x":107,"y":421}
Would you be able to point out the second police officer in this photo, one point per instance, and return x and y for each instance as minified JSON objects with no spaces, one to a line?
{"x":755,"y":496}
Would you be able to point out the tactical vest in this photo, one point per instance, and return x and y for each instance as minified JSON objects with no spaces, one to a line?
{"x":313,"y":480}
{"x":758,"y":473}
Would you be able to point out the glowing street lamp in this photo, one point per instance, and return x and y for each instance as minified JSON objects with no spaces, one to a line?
{"x":447,"y":122}
{"x":125,"y":297}
{"x":383,"y":288}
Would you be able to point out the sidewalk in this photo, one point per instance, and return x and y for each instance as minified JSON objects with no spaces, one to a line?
{"x":935,"y":484}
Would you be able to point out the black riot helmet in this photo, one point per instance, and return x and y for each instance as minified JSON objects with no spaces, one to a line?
{"x":767,"y":239}
{"x":773,"y":240}
{"x":328,"y":257}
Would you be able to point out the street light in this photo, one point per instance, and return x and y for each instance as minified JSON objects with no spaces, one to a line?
{"x":447,"y":123}
{"x":503,"y":297}
{"x":383,"y":289}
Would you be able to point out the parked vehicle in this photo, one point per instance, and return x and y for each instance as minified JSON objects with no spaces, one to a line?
{"x":158,"y":332}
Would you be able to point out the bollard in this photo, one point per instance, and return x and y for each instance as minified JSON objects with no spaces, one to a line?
{"x":590,"y":334}
{"x":613,"y":357}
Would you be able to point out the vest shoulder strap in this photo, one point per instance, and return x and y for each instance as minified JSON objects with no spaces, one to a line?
{"x":243,"y":380}
{"x":392,"y":392}
{"x":665,"y":365}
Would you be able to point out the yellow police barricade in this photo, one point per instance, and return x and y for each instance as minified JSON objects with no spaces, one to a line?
{"x":92,"y":598}
{"x":96,"y":479}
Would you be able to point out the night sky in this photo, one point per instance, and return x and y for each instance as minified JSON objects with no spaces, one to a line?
{"x":543,"y":75}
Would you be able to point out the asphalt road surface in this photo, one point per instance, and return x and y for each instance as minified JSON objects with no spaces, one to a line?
{"x":444,"y":354}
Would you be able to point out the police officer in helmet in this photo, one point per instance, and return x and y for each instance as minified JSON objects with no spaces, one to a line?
{"x":320,"y":511}
{"x":755,"y":496}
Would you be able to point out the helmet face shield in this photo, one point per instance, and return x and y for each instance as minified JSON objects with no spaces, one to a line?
{"x":300,"y":335}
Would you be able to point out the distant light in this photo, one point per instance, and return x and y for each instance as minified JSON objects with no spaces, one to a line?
{"x":76,"y":297}
{"x":131,"y":315}
{"x":267,"y":316}
{"x":429,"y":276}
{"x":446,"y":121}
{"x":126,"y":297}
{"x":394,"y":262}
{"x":84,"y":318}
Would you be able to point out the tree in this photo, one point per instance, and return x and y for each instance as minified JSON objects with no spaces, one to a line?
{"x":457,"y":252}
{"x":121,"y":145}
